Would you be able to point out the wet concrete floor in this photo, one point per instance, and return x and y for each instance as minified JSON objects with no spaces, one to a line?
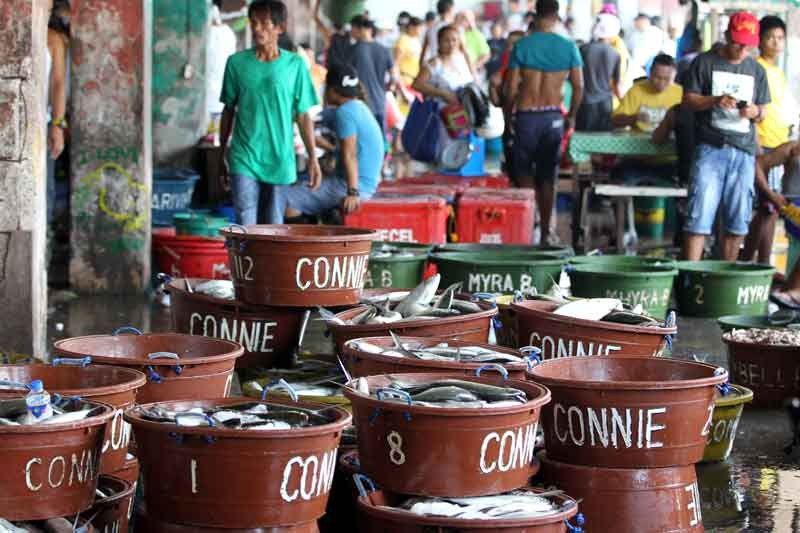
{"x":757,"y":489}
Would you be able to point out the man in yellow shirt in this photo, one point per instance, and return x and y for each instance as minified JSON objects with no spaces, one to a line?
{"x":643,"y":108}
{"x":772,"y":132}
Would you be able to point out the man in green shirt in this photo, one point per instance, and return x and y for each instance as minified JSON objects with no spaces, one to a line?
{"x":266,"y":90}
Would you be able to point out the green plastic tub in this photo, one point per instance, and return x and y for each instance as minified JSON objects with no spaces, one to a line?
{"x":499,"y":273}
{"x":727,"y":413}
{"x":560,"y":252}
{"x":199,"y":224}
{"x":712,"y":289}
{"x":624,"y":261}
{"x":650,"y":286}
{"x":396,"y":272}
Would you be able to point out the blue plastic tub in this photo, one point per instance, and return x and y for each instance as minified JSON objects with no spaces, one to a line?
{"x":172,"y":193}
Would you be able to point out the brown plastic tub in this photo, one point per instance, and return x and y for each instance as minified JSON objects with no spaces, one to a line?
{"x":203,"y":368}
{"x":644,"y":500}
{"x":51,"y":470}
{"x":129,"y":471}
{"x":361,"y":363}
{"x":240,"y":479}
{"x":340,"y":514}
{"x":432,"y":451}
{"x":112,"y":513}
{"x":641,"y":412}
{"x":469,"y":328}
{"x":377,"y":516}
{"x":770,"y":371}
{"x":146,"y":522}
{"x":268,"y":334}
{"x":298,"y":265}
{"x":560,"y":336}
{"x":115,"y":386}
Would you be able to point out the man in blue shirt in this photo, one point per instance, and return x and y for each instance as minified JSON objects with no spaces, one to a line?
{"x":360,"y":155}
{"x":538,"y":68}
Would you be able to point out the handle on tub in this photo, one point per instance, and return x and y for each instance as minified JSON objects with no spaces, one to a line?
{"x":363,"y":483}
{"x":178,"y":369}
{"x":723,"y":388}
{"x":532,"y":355}
{"x":485,"y":297}
{"x":492,"y":366}
{"x":127,"y":329}
{"x":580,"y":521}
{"x":387,"y":393}
{"x":237,"y":226}
{"x":281,"y":384}
{"x":72,"y":361}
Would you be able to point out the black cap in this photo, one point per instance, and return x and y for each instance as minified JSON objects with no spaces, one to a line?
{"x":344,"y":79}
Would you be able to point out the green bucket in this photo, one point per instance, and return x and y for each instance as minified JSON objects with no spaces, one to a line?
{"x":499,"y":273}
{"x":712,"y":289}
{"x":559,"y":252}
{"x":397,"y":272}
{"x":727,"y":413}
{"x":199,"y":224}
{"x":649,"y":216}
{"x":650,"y":286}
{"x":729,"y":322}
{"x":622,"y":261}
{"x":341,"y":11}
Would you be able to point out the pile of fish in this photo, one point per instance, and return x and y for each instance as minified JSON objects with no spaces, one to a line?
{"x":249,"y":416}
{"x":419,"y":304}
{"x":14,"y":412}
{"x":513,"y":505}
{"x":438,"y":352}
{"x":216,"y":288}
{"x":386,"y":251}
{"x":310,"y":378}
{"x":773,"y":337}
{"x":452,"y":393}
{"x":606,"y":310}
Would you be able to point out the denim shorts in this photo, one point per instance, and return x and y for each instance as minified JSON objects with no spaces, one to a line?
{"x":536,"y":151}
{"x":301,"y":198}
{"x":721,"y":177}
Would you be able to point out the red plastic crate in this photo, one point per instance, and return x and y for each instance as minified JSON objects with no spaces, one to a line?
{"x":497,"y":181}
{"x":496,"y":216}
{"x":411,"y":219}
{"x":392,"y":189}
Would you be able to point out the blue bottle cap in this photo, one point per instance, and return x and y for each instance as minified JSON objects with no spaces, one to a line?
{"x":36,"y":385}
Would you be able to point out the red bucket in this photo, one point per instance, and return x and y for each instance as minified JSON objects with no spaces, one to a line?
{"x":190,"y":256}
{"x":112,"y":512}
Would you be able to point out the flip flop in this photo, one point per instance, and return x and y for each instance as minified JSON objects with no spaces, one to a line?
{"x":785,"y":300}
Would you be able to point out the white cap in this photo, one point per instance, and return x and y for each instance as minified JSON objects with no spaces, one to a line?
{"x":607,"y":26}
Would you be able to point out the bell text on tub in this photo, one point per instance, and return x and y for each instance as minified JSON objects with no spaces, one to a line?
{"x":78,"y":468}
{"x":754,"y":375}
{"x":608,"y":426}
{"x":255,"y":336}
{"x":559,"y":347}
{"x":331,"y":272}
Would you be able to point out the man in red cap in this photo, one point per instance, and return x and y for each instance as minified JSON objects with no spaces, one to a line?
{"x":728,"y":90}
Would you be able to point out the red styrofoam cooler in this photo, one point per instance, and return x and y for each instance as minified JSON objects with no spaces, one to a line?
{"x":494,"y":181}
{"x":409,"y":219}
{"x":495,"y":216}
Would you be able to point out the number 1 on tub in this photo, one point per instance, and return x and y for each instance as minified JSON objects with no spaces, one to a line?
{"x":243,"y":264}
{"x":193,"y":468}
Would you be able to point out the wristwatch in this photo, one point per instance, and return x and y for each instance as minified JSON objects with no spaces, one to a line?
{"x":352,"y":191}
{"x":60,"y":122}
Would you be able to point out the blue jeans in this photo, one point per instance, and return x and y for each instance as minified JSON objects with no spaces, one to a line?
{"x":301,"y":198}
{"x":249,"y":197}
{"x":723,"y":176}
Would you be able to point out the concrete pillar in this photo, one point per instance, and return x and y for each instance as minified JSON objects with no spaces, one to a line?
{"x":111,"y":147}
{"x":23,"y":226}
{"x":180,"y":33}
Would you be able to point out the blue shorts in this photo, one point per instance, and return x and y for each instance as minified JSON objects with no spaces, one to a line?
{"x":721,"y":177}
{"x":301,"y":198}
{"x":536,"y":151}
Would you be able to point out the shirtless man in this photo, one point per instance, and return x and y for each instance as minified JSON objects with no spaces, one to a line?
{"x":540,"y":63}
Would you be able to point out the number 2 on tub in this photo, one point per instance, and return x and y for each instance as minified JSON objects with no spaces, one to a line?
{"x":709,"y":421}
{"x":700,"y":292}
{"x":396,"y":454}
{"x":243,"y":264}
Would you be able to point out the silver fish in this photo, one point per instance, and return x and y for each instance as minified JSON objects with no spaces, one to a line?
{"x":421,"y":296}
{"x":329,"y":316}
{"x":465,"y":306}
{"x":448,"y":393}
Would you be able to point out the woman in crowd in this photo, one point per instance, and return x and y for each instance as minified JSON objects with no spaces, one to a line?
{"x":442,"y":76}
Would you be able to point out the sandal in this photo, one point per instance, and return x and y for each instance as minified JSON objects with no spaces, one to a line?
{"x":786,"y":300}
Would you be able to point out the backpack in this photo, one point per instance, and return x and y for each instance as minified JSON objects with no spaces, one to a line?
{"x":421,"y":135}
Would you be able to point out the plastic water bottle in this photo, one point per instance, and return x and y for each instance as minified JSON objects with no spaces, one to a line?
{"x":38,"y":402}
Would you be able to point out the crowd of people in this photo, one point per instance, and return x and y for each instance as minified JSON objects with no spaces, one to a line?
{"x":731,"y":114}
